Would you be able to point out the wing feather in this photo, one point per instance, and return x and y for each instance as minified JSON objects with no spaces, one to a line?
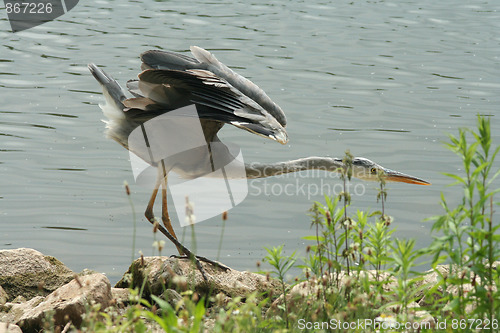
{"x":173,"y":80}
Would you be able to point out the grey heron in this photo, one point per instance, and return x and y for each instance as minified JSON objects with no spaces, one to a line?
{"x":170,"y":81}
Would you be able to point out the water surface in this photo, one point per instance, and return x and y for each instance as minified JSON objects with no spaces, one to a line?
{"x":385,"y":79}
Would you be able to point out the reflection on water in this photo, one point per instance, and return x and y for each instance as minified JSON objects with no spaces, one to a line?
{"x":385,"y":80}
{"x":65,"y":228}
{"x":368,"y":129}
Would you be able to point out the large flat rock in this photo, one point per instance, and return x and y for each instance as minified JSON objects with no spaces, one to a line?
{"x":161,"y":273}
{"x":29,"y":273}
{"x":67,"y":303}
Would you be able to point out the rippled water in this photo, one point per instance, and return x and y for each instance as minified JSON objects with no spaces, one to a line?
{"x":385,"y":79}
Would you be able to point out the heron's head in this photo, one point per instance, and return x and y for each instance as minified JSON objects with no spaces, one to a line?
{"x":365,"y":169}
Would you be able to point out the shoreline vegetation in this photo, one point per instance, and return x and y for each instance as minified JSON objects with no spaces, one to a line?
{"x":356,"y":276}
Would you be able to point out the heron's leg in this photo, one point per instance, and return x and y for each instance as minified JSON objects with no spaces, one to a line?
{"x":149,"y":209}
{"x":160,"y":180}
{"x":164,"y":212}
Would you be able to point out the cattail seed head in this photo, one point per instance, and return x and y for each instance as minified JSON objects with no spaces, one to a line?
{"x":328,"y":218}
{"x":127,"y":188}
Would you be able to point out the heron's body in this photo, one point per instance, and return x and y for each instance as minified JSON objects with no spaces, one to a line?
{"x":172,"y":81}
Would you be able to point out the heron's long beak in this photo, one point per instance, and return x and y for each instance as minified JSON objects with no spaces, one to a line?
{"x":395,"y":176}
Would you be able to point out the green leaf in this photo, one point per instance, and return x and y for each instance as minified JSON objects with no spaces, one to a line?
{"x":462,"y":180}
{"x":164,"y":305}
{"x":314,"y":238}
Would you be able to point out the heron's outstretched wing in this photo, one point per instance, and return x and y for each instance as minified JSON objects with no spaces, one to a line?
{"x":244,"y":85}
{"x":219,"y":93}
{"x":157,"y":59}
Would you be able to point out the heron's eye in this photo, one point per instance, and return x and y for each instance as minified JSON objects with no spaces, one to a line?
{"x":373,"y":170}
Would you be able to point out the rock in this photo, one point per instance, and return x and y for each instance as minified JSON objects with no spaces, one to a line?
{"x":428,"y":293}
{"x":68,"y":302}
{"x":20,"y":299}
{"x":208,"y":325}
{"x":120,"y":296}
{"x":87,"y":271}
{"x":3,"y":296}
{"x":171,"y":296}
{"x":429,"y":280}
{"x":9,"y":328}
{"x":163,"y":273}
{"x":17,"y":309}
{"x":424,"y":318}
{"x":29,"y":273}
{"x":415,"y":312}
{"x":298,"y":293}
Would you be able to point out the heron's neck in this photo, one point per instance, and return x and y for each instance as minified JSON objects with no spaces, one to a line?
{"x":260,"y":170}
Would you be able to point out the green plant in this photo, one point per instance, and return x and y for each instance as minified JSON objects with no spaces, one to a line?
{"x":242,"y":316}
{"x":187,"y":317}
{"x":469,"y":239}
{"x":112,"y":319}
{"x":378,"y":241}
{"x":282,"y":265}
{"x":345,"y":175}
{"x":404,"y":258}
{"x":134,"y":232}
{"x":335,"y":262}
{"x":224,"y":219}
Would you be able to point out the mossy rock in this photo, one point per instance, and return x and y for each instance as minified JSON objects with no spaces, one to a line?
{"x":29,"y":273}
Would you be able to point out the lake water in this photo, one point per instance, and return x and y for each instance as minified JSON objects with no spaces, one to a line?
{"x":385,"y":79}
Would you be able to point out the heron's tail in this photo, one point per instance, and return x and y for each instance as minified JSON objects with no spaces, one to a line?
{"x":111,"y":89}
{"x":117,"y":125}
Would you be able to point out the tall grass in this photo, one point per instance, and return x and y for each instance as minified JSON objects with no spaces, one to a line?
{"x":468,"y":239}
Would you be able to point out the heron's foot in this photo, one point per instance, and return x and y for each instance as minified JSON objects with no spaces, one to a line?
{"x":188,"y":254}
{"x":208,"y":261}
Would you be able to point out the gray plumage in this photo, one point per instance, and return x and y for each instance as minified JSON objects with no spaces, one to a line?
{"x":170,"y":81}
